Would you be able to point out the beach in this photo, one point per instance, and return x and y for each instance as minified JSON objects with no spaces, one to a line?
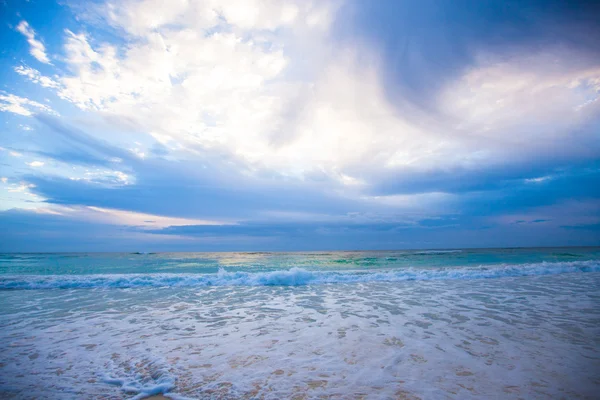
{"x":495,"y":333}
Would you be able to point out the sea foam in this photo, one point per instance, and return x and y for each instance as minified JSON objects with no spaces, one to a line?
{"x":291,"y":277}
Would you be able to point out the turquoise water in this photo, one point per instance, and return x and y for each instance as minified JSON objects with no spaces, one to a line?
{"x":458,"y":324}
{"x":180,"y":263}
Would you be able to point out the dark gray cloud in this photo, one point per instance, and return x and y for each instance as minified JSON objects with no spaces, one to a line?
{"x":29,"y":231}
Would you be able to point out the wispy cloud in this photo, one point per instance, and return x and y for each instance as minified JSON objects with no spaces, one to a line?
{"x":22,"y":106}
{"x":109,"y":216}
{"x":37,"y":48}
{"x":36,"y":77}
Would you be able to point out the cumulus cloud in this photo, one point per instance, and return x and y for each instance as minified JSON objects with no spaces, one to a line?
{"x":37,"y":48}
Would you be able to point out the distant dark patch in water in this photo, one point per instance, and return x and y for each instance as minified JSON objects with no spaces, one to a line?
{"x":567,"y":255}
{"x":358,"y":261}
{"x":39,"y":256}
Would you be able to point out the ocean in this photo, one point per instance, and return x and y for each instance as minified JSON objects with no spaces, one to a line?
{"x":422,"y":324}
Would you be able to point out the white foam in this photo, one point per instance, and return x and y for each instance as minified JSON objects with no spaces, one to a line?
{"x":292,"y":277}
{"x":142,"y":389}
{"x":486,"y":338}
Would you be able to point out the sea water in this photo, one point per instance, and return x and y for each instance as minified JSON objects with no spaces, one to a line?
{"x":498,"y":323}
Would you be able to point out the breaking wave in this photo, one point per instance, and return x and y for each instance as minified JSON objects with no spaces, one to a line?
{"x":292,"y":277}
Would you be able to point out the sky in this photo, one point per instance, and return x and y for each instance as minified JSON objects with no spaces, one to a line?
{"x":259,"y":125}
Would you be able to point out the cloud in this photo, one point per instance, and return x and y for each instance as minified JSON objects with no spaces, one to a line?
{"x":27,"y":230}
{"x":22,"y":106}
{"x":87,"y":146}
{"x":139,"y":18}
{"x":35,"y":76}
{"x":225,"y":84}
{"x":37,"y":48}
{"x":426,"y":46}
{"x":559,"y":214}
{"x":270,"y":115}
{"x":120,"y":217}
{"x":35,"y":164}
{"x":57,"y":233}
{"x":99,"y":215}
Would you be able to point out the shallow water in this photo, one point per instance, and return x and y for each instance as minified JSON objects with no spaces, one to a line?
{"x":466,"y":324}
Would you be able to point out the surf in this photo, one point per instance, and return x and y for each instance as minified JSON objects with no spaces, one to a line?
{"x":291,"y":277}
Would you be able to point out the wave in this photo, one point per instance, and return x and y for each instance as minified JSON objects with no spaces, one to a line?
{"x":291,"y":277}
{"x":567,"y":255}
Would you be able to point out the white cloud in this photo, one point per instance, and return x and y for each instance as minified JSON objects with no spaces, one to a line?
{"x":139,"y":153}
{"x":20,"y":196}
{"x":526,"y":102}
{"x":37,"y":48}
{"x":230,"y":91}
{"x":124,"y":218}
{"x":263,"y":82}
{"x":120,"y":217}
{"x":106,"y":177}
{"x":143,"y":17}
{"x":21,"y":105}
{"x":539,"y":179}
{"x":35,"y":76}
{"x":22,"y":187}
{"x":35,"y":164}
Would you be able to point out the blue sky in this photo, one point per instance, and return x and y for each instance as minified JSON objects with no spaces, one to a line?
{"x":298,"y":125}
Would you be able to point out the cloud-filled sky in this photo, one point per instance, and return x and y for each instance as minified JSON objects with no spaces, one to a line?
{"x":151,"y":125}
